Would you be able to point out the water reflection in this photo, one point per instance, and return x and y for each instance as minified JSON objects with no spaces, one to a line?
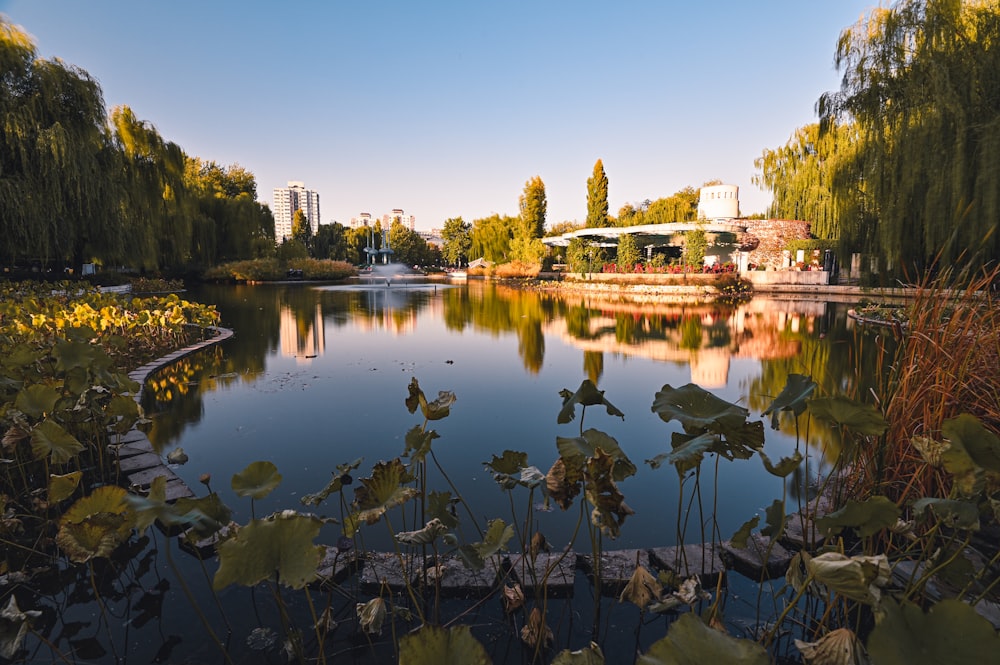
{"x":325,"y":369}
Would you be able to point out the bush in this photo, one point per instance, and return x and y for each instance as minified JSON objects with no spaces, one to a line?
{"x":517,"y":269}
{"x":323,"y":268}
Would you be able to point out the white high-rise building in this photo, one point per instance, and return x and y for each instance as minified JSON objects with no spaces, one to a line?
{"x":289,"y":199}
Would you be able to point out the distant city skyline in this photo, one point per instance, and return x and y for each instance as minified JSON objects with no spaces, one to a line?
{"x":448,"y":108}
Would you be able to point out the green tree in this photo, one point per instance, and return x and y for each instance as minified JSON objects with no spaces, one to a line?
{"x":491,"y":237}
{"x":679,"y":207}
{"x":457,"y":238}
{"x":695,"y":248}
{"x":532,"y":205}
{"x":628,"y":253}
{"x":407,"y":245}
{"x":800,"y":175}
{"x":920,"y":80}
{"x":58,"y":196}
{"x":301,"y":229}
{"x":597,"y":198}
{"x":330,"y":242}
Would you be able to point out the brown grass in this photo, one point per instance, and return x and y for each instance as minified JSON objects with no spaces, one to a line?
{"x":948,"y":363}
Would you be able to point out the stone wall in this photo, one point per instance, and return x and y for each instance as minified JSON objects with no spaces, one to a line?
{"x":774,"y":235}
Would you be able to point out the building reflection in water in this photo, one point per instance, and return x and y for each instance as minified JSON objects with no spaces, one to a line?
{"x":704,"y":337}
{"x":302,"y":332}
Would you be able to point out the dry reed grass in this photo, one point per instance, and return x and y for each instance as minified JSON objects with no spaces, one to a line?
{"x":947,"y":363}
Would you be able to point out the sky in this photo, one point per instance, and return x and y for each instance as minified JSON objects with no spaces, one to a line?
{"x":446,"y":108}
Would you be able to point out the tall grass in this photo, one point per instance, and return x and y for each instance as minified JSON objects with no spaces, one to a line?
{"x":947,"y":363}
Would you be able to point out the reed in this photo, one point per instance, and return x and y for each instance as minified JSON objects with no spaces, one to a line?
{"x":946,"y":364}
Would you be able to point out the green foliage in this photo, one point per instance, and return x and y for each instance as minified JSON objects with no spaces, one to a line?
{"x":628,"y":253}
{"x":950,"y":632}
{"x":923,"y":179}
{"x":597,"y":197}
{"x":439,"y":646}
{"x":532,"y":205}
{"x":278,"y":547}
{"x":457,"y":238}
{"x":695,"y":248}
{"x":257,"y":480}
{"x":690,"y":642}
{"x":798,"y":388}
{"x":867,"y":517}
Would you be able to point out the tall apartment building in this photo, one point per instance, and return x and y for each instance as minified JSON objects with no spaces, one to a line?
{"x":289,"y":199}
{"x":409,"y":221}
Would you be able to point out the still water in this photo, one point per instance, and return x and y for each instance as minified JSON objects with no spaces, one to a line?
{"x":316,"y":376}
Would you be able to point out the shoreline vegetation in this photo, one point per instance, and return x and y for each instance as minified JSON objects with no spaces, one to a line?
{"x":903,"y":546}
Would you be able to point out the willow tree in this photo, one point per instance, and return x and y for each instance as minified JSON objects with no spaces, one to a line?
{"x":802,"y":176}
{"x":490,"y":237}
{"x":597,"y":197}
{"x":922,"y":80}
{"x":157,"y":213}
{"x":55,"y":157}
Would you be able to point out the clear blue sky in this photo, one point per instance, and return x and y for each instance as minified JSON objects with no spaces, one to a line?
{"x":446,"y":108}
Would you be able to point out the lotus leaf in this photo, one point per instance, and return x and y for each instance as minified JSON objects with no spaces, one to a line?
{"x":742,"y":534}
{"x":49,"y":438}
{"x":206,"y":514}
{"x":610,"y":510}
{"x":495,"y":539}
{"x":690,"y":642}
{"x":563,"y":483}
{"x":506,"y":466}
{"x":436,"y":410}
{"x":930,"y":449}
{"x":775,"y":515}
{"x":37,"y":399}
{"x":21,"y":355}
{"x":72,"y":355}
{"x":61,"y":487}
{"x":785,"y":465}
{"x":535,"y":633}
{"x":371,"y":615}
{"x":798,"y":388}
{"x":125,"y":412}
{"x":512,"y":598}
{"x":439,"y":507}
{"x":432,"y":645}
{"x":968,"y":433}
{"x":14,"y":627}
{"x":592,"y":655}
{"x":950,"y":632}
{"x":154,"y":506}
{"x":257,"y":480}
{"x":641,"y":589}
{"x":424,"y":536}
{"x":868,"y":517}
{"x":838,"y":647}
{"x":698,"y":410}
{"x":95,"y":525}
{"x":688,"y":593}
{"x":586,"y":395}
{"x":380,"y":492}
{"x":855,"y":416}
{"x":340,"y":478}
{"x":13,"y":436}
{"x":511,"y":462}
{"x":531,"y":477}
{"x":955,"y":514}
{"x":280,"y":544}
{"x":418,"y":443}
{"x":577,"y":450}
{"x":859,"y":578}
{"x":688,"y":451}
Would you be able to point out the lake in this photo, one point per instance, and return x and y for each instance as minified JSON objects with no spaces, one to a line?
{"x":316,"y":376}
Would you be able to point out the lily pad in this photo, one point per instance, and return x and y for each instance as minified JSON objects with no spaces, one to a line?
{"x":855,"y":416}
{"x":950,"y":632}
{"x":281,"y":545}
{"x":798,"y":388}
{"x":690,"y":642}
{"x":257,"y":480}
{"x":697,"y":410}
{"x":432,"y":645}
{"x":61,"y":487}
{"x":586,"y":395}
{"x":95,"y":525}
{"x":868,"y":517}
